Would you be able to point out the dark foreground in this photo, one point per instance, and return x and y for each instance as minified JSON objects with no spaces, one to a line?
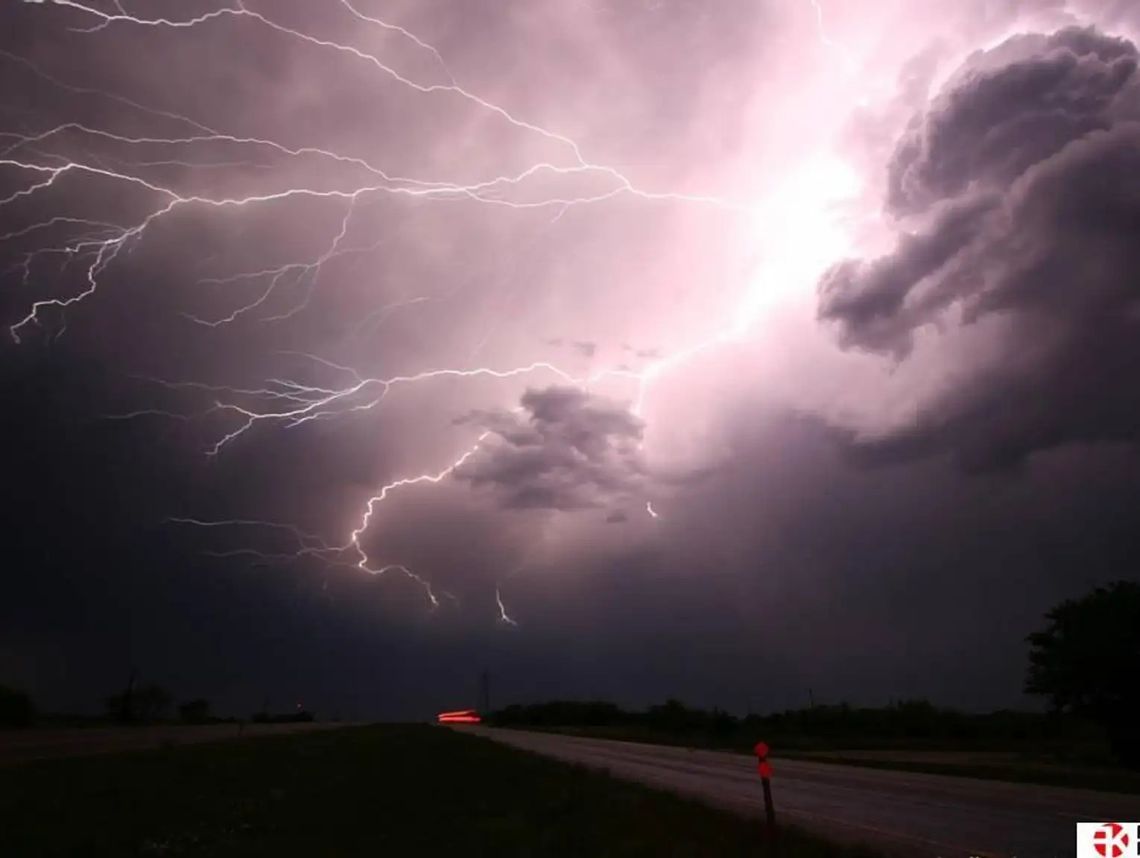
{"x":17,"y":746}
{"x":904,"y":813}
{"x":367,"y":791}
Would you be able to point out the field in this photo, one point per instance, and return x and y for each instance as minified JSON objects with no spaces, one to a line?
{"x":367,"y":791}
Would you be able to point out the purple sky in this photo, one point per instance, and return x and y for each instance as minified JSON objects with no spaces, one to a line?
{"x":637,"y":349}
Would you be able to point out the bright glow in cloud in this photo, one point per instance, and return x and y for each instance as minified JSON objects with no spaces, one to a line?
{"x":799,"y":232}
{"x":650,"y":235}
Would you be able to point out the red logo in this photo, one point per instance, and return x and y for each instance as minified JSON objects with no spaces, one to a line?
{"x":1110,"y":840}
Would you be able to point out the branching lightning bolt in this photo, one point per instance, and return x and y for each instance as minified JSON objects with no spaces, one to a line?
{"x":286,"y":402}
{"x":489,"y":191}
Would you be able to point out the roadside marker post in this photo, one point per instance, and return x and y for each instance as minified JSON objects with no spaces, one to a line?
{"x":765,"y":769}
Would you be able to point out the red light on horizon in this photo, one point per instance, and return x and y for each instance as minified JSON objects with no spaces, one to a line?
{"x":461,"y":716}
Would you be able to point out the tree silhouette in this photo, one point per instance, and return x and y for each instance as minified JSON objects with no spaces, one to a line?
{"x":146,"y":702}
{"x":195,"y":711}
{"x":16,"y":709}
{"x":1087,"y":660}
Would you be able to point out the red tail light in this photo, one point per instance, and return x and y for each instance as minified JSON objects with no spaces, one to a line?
{"x":462,"y":716}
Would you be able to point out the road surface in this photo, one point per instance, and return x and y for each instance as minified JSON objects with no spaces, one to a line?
{"x":902,"y":813}
{"x":17,"y":746}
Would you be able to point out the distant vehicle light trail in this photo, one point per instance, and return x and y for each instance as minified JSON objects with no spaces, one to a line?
{"x":463,"y":716}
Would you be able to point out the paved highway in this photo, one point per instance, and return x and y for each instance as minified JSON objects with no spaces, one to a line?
{"x":902,"y":813}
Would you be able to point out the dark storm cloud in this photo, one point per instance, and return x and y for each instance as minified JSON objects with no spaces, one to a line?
{"x":1022,"y":182}
{"x":781,"y":568}
{"x":567,"y":450}
{"x":870,"y":298}
{"x":97,"y":581}
{"x":1009,"y":109}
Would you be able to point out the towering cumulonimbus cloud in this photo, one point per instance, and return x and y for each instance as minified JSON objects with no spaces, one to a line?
{"x":1008,"y":109}
{"x":1017,"y":205}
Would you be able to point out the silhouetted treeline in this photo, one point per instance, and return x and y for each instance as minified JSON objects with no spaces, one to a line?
{"x":283,"y":717}
{"x":146,"y":702}
{"x":138,"y":703}
{"x":906,"y":722}
{"x":196,"y":711}
{"x":16,"y":708}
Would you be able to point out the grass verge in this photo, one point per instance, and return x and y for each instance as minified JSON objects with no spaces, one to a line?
{"x":368,"y":791}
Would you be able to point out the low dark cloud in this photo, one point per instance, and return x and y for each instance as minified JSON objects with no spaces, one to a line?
{"x":1019,"y":208}
{"x":564,"y":449}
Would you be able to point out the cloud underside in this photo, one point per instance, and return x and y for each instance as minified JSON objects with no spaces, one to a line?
{"x":562,"y":449}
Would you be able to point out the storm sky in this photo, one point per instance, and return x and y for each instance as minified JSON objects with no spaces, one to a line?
{"x":713,"y":350}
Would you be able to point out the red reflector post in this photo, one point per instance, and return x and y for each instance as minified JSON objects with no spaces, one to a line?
{"x":765,"y":769}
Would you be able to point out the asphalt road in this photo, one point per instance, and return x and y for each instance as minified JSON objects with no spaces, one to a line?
{"x":20,"y":745}
{"x":902,"y":813}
